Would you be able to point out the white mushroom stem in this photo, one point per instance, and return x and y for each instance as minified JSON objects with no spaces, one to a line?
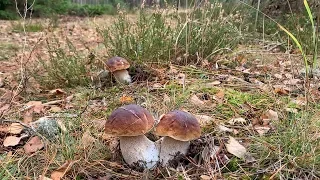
{"x":122,"y":76}
{"x":139,"y":148}
{"x":170,"y":147}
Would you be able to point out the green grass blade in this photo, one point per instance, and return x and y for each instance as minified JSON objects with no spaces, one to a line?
{"x":306,"y":5}
{"x":314,"y":35}
{"x":297,"y":43}
{"x":292,"y":37}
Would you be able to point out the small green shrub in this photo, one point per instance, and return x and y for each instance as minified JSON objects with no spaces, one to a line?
{"x":66,"y":67}
{"x":50,"y":8}
{"x":8,"y":15}
{"x":91,"y":10}
{"x":163,"y":37}
{"x":46,"y":8}
{"x":149,"y":40}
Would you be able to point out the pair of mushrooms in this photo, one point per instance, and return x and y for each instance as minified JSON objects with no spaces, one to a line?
{"x":131,"y":122}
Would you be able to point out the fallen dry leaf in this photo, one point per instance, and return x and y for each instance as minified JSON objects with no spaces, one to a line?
{"x":11,"y":141}
{"x":292,"y":81}
{"x":219,"y":96}
{"x":281,"y":91}
{"x":205,"y":177}
{"x":87,"y":140}
{"x":69,"y":98}
{"x":261,"y":129}
{"x":203,"y":119}
{"x":224,"y":129}
{"x":235,"y":148}
{"x":33,"y":145}
{"x":157,"y":86}
{"x":62,"y":170}
{"x":272,"y":115}
{"x":278,"y":76}
{"x":196,"y":101}
{"x":126,"y":99}
{"x":55,"y":109}
{"x":234,"y":121}
{"x":33,"y":103}
{"x":38,"y":109}
{"x":37,"y":106}
{"x":212,"y":84}
{"x":55,"y":92}
{"x":43,"y":178}
{"x":15,"y":128}
{"x":99,"y":124}
{"x":28,"y":116}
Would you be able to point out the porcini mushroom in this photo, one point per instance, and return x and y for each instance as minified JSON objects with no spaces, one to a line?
{"x":178,"y":128}
{"x":130,"y":123}
{"x":118,"y":67}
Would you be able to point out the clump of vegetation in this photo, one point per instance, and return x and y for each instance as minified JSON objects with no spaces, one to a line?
{"x":50,"y":8}
{"x":91,"y":10}
{"x":7,"y":10}
{"x":149,"y":39}
{"x":293,"y":146}
{"x":163,"y":37}
{"x":66,"y":67}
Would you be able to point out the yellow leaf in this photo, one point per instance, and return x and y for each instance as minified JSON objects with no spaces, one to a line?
{"x":126,"y":99}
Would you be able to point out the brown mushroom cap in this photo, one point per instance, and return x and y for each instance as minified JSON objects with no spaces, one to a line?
{"x":129,"y":120}
{"x":179,"y":125}
{"x":117,"y":63}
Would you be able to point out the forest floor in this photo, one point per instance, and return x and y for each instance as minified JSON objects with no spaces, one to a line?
{"x":258,"y":118}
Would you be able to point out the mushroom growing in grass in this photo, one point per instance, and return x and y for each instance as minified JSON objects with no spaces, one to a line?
{"x":130,"y":123}
{"x":178,"y":128}
{"x":118,"y":67}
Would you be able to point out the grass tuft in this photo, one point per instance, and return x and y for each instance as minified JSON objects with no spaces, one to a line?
{"x":65,"y":67}
{"x":176,"y":37}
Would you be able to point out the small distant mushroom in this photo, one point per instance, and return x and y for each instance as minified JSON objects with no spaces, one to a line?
{"x":130,"y":123}
{"x":118,"y":67}
{"x":178,"y":128}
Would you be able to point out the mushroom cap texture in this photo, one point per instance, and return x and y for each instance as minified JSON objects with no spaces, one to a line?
{"x":117,"y":63}
{"x":179,"y":125}
{"x":129,"y":120}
